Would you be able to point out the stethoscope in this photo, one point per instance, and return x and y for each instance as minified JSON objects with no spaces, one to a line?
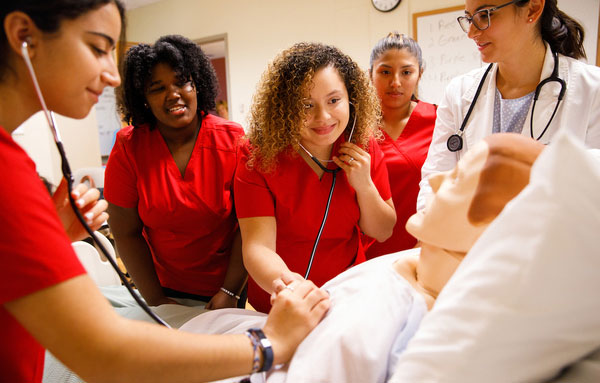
{"x":334,"y":172}
{"x":455,"y":141}
{"x":66,"y":171}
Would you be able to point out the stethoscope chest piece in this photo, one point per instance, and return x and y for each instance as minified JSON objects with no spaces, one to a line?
{"x":454,"y":143}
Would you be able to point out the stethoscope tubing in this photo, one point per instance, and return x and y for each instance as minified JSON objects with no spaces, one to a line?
{"x":66,"y":171}
{"x":334,"y":173}
{"x":455,"y":141}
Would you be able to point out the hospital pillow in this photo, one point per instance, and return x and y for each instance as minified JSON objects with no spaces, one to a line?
{"x":525,"y":301}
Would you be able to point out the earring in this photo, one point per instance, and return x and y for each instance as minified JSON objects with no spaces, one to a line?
{"x":146,"y":105}
{"x":531,"y":20}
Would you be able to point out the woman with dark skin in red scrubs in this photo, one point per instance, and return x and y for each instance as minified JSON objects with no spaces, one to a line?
{"x":169,"y":179}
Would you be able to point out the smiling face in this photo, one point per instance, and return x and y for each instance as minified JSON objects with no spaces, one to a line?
{"x":506,"y":34}
{"x":444,"y":222}
{"x":75,"y":64}
{"x":327,"y":111}
{"x":395,"y":75}
{"x":172,"y":99}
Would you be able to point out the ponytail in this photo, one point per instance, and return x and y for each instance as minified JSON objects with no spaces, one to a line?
{"x":561,"y":32}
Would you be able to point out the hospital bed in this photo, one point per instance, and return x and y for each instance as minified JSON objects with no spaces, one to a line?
{"x":522,"y":307}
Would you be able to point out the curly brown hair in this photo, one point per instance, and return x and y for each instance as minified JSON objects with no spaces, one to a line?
{"x":278,"y":111}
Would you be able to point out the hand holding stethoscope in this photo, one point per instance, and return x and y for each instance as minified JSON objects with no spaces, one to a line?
{"x":356,"y":163}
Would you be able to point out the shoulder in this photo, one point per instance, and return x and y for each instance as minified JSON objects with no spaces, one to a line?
{"x":221,"y":133}
{"x":581,"y":72}
{"x":467,"y":80}
{"x":426,"y":109}
{"x":132,"y":133}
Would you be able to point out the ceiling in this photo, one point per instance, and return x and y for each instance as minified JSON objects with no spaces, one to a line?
{"x":215,"y":49}
{"x":131,"y":4}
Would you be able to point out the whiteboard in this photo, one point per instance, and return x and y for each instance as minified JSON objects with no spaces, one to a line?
{"x":109,"y":121}
{"x":447,"y":51}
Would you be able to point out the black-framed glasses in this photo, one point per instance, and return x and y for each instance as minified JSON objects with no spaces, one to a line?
{"x":481,"y":19}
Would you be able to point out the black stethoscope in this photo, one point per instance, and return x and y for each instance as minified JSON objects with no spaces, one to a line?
{"x":66,"y":171}
{"x":334,"y":172}
{"x":455,"y":141}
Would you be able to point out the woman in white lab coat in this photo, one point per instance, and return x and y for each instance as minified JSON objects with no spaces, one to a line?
{"x":520,"y":38}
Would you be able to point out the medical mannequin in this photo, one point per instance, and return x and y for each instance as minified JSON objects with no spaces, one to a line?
{"x":525,"y":44}
{"x":351,"y":343}
{"x":46,"y":298}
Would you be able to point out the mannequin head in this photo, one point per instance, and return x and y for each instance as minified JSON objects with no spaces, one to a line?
{"x":467,"y":198}
{"x":464,"y":201}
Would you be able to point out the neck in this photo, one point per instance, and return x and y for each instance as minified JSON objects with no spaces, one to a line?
{"x":180,"y":136}
{"x":429,"y":272}
{"x":17,"y":102}
{"x":321,"y":153}
{"x":395,"y":119}
{"x":521,"y":75}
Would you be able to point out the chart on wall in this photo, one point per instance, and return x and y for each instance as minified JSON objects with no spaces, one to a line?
{"x":447,"y":51}
{"x":108,"y":120}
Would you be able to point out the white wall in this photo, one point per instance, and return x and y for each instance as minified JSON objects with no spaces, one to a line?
{"x":80,"y":140}
{"x":257,"y":30}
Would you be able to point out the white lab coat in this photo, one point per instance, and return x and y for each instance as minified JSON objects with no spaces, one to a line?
{"x":579,"y":112}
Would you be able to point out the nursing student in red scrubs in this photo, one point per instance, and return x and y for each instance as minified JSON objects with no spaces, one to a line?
{"x":313,"y":101}
{"x":46,"y":298}
{"x":396,"y":66}
{"x":169,"y":179}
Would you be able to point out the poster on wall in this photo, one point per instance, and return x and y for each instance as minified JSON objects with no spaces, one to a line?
{"x":109,"y":120}
{"x":447,"y":51}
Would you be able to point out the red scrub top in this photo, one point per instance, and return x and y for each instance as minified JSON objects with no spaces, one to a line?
{"x":35,"y":253}
{"x":404,"y":158}
{"x":189,"y":222}
{"x":296,"y":197}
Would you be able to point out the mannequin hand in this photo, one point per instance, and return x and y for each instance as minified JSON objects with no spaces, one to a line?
{"x":296,"y":311}
{"x":356,"y":163}
{"x":221,"y":301}
{"x":93,"y":210}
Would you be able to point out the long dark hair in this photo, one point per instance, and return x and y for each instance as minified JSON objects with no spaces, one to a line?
{"x":48,"y":15}
{"x":560,"y":31}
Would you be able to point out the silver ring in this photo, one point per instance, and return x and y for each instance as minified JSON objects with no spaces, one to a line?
{"x":289,"y":288}
{"x":350,"y":160}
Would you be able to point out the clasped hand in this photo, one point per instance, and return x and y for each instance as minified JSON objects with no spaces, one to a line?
{"x":86,"y":199}
{"x":356,"y":163}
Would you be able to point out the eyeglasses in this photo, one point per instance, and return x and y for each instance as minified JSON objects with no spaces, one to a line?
{"x":481,"y":19}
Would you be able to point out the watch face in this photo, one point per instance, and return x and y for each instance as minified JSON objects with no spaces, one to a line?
{"x":385,"y":5}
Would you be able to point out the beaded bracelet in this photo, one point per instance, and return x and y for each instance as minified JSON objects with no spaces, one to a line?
{"x":231,"y":294}
{"x":256,"y":355}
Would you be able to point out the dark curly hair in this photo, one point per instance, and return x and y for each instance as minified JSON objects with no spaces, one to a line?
{"x":278,"y":112}
{"x":187,"y":60}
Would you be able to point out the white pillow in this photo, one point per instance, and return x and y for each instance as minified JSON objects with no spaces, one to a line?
{"x":526,"y":300}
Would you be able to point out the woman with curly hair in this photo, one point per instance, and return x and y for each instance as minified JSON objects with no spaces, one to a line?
{"x":315,"y":113}
{"x":169,"y":179}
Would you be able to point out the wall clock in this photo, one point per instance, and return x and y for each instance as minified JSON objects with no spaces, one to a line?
{"x":385,"y":5}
